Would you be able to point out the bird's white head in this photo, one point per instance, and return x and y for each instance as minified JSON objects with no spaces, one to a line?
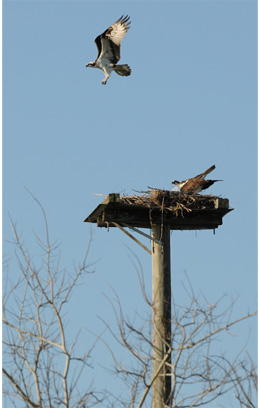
{"x":91,"y":64}
{"x":179,"y":184}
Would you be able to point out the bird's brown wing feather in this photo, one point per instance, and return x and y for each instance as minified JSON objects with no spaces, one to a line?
{"x":192,"y":185}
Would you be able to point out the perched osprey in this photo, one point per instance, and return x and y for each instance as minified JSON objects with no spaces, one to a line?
{"x":108,"y":45}
{"x":197,"y":183}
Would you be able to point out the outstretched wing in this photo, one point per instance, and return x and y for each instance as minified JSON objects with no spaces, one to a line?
{"x":118,"y":30}
{"x":203,"y":175}
{"x":108,"y":43}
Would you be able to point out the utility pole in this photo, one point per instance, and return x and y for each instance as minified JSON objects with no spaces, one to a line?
{"x":161,"y":289}
{"x":173,"y":211}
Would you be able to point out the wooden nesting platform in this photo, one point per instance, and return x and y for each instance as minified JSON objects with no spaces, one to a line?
{"x":182,"y":211}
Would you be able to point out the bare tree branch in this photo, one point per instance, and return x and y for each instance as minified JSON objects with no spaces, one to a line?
{"x":40,"y":364}
{"x":199,"y":374}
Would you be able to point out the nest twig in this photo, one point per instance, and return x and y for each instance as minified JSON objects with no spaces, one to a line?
{"x":170,"y":201}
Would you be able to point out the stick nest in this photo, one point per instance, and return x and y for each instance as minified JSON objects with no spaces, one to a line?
{"x":170,"y":201}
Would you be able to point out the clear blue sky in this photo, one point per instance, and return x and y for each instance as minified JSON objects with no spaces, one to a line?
{"x":190,"y":102}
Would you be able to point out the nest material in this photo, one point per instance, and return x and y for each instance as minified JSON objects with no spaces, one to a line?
{"x":170,"y":201}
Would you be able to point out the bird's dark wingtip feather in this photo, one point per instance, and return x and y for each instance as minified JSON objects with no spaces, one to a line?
{"x":124,"y":19}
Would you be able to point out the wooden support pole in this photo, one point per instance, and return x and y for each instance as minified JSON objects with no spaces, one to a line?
{"x":161,"y":282}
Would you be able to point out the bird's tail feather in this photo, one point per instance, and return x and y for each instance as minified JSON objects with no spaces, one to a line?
{"x":123,"y":70}
{"x":203,"y":175}
{"x":210,"y":169}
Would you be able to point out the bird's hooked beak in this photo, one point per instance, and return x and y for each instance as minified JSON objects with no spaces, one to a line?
{"x":90,"y":64}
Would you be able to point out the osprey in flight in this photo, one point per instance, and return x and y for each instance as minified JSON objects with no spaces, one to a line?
{"x":108,"y":45}
{"x":197,"y":183}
